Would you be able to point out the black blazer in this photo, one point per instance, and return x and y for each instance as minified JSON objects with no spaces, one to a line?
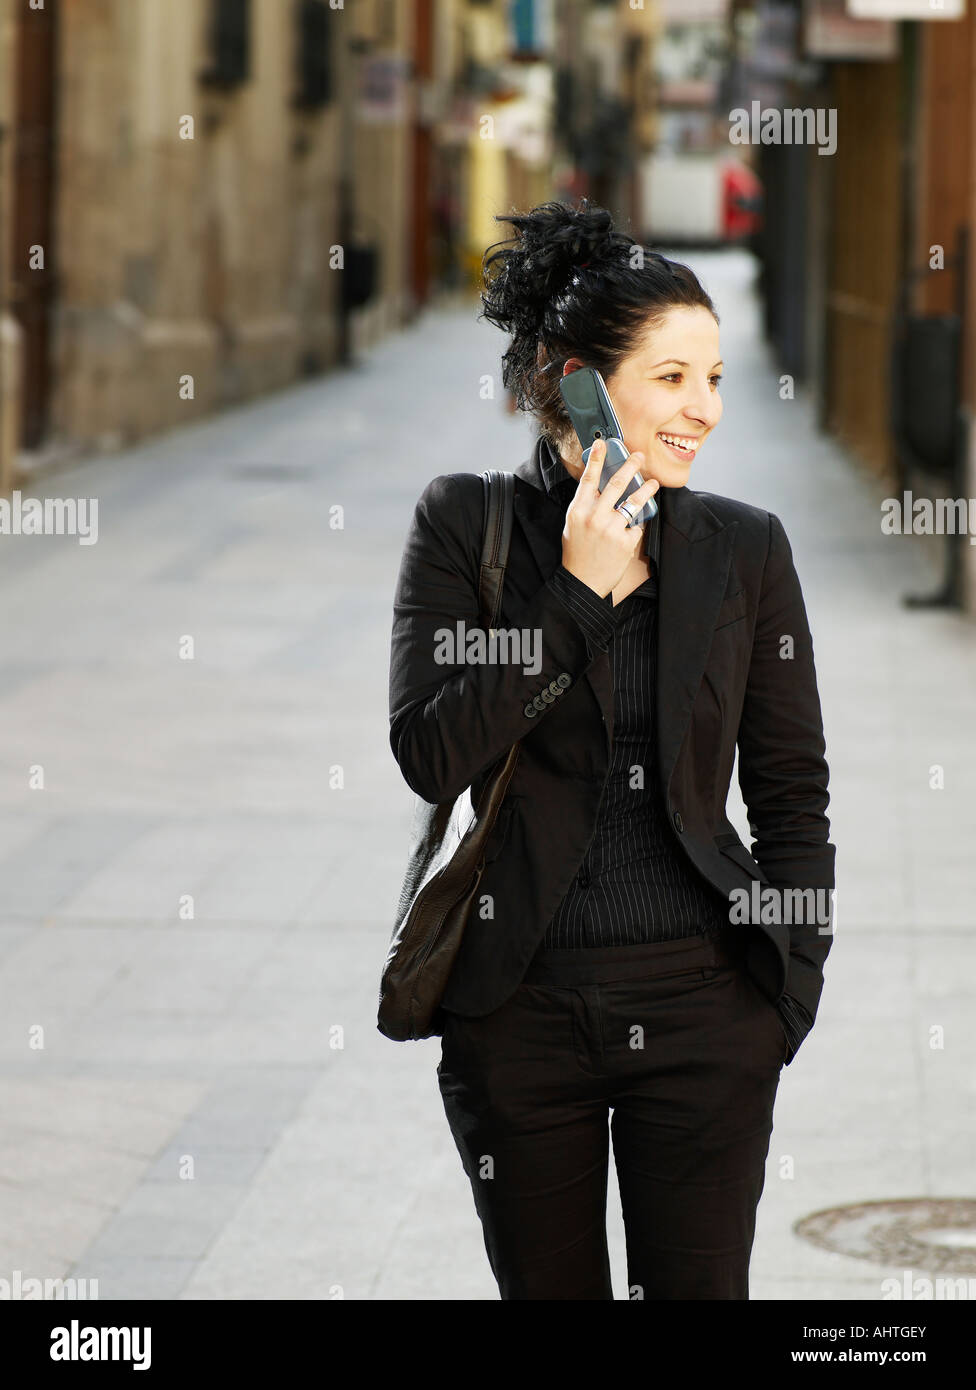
{"x":728,"y":595}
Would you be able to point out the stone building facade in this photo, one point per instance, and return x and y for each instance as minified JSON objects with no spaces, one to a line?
{"x":190,"y":212}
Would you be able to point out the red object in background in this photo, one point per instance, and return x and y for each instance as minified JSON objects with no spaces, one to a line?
{"x":741,"y":201}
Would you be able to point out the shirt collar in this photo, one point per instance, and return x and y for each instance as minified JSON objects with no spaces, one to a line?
{"x":555,"y":474}
{"x":561,"y":488}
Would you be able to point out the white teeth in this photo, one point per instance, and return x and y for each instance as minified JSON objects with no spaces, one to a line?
{"x":690,"y":445}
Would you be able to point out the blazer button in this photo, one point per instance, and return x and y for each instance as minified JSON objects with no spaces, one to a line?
{"x":564,"y":679}
{"x":677,"y":822}
{"x":553,"y":688}
{"x":547,"y":697}
{"x":539,"y":703}
{"x":530,"y":710}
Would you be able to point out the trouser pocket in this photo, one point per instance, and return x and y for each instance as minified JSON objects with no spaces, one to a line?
{"x":768,"y":1013}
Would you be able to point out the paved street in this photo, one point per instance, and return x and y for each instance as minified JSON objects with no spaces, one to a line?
{"x":199,"y":896}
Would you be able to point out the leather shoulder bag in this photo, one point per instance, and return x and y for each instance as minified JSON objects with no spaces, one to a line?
{"x":448,"y":839}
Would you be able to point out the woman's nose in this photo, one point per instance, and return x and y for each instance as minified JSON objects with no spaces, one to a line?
{"x":705,"y":406}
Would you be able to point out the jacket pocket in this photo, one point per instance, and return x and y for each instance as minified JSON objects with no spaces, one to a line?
{"x":732,"y":609}
{"x":499,"y":831}
{"x":730,"y":844}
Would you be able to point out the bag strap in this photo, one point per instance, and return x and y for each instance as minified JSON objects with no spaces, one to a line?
{"x":499,"y":508}
{"x":499,"y":499}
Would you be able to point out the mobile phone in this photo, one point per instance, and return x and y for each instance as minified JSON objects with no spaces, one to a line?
{"x":591,"y":411}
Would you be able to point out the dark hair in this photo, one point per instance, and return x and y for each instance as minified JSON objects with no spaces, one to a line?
{"x":565,"y":286}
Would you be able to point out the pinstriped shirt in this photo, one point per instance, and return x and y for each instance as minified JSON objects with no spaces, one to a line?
{"x":634,"y":884}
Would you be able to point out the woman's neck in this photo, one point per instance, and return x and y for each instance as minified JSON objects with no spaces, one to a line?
{"x":571,"y":452}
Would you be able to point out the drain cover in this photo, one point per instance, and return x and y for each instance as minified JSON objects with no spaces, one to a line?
{"x":932,"y":1233}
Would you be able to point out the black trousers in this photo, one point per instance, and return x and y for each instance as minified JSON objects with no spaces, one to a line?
{"x":682,"y":1046}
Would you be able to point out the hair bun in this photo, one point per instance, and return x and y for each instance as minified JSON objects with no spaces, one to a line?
{"x":558,"y":239}
{"x":594,"y":235}
{"x":550,"y":242}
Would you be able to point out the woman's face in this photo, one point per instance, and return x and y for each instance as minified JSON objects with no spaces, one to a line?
{"x":667,"y":390}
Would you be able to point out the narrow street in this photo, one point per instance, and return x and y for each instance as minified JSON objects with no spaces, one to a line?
{"x":199,"y":897}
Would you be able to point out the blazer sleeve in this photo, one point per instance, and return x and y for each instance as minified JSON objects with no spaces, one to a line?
{"x":783,"y":771}
{"x":452,"y":720}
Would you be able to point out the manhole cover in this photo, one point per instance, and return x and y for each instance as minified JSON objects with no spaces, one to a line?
{"x":931,"y":1233}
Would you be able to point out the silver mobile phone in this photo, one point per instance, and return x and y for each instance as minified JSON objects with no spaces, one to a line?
{"x":591,"y":411}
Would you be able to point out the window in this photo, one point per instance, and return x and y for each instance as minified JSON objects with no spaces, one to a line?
{"x":313,"y":51}
{"x":229,"y":42}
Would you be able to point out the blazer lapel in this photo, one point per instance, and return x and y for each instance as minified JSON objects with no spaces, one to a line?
{"x":695,"y":553}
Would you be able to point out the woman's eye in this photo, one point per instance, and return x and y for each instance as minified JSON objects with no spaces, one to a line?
{"x":676,"y":376}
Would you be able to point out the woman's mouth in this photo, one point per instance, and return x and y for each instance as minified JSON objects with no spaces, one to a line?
{"x":682,"y":446}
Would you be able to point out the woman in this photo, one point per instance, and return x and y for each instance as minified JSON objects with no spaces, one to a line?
{"x":626,"y":953}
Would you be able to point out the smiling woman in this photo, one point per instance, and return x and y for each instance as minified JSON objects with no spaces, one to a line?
{"x":668,"y":407}
{"x":600,"y":970}
{"x":570,"y":279}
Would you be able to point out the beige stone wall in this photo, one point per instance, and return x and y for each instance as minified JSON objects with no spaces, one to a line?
{"x":205,"y":256}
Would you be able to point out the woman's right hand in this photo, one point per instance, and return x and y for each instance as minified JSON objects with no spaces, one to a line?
{"x":598,"y":542}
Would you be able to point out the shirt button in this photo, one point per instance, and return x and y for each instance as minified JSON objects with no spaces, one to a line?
{"x":583,"y":878}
